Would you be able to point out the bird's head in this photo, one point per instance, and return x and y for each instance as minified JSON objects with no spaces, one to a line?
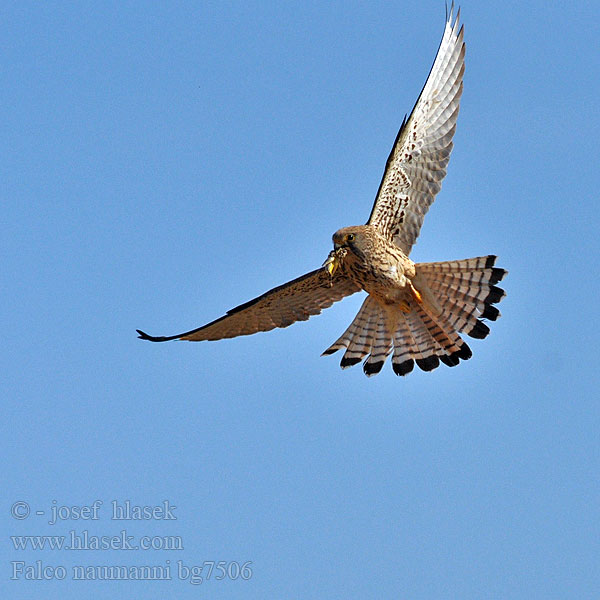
{"x":355,"y":239}
{"x":348,"y":241}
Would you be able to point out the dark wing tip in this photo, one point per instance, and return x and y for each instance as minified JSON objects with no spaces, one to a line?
{"x":150,"y":338}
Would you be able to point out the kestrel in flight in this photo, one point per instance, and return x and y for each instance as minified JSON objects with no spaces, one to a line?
{"x":414,"y":311}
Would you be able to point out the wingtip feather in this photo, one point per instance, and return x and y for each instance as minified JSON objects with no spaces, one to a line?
{"x":150,"y":338}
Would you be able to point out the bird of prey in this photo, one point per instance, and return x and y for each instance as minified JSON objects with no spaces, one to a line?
{"x":413,"y":311}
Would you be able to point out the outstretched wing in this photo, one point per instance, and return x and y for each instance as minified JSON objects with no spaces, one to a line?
{"x":418,"y":160}
{"x":293,"y":301}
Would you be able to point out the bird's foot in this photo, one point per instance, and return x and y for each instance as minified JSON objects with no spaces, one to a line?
{"x":416,"y":294}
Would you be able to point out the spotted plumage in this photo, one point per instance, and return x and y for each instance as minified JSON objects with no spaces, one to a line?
{"x":414,"y":312}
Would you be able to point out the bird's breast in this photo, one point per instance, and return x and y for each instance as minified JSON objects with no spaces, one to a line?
{"x":384,"y":276}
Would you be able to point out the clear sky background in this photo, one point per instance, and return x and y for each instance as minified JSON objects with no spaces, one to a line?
{"x":164,"y":162}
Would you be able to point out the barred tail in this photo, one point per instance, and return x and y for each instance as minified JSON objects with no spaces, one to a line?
{"x":455,"y":296}
{"x":368,"y":334}
{"x":466,"y":291}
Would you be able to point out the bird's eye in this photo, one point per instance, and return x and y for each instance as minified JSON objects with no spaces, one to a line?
{"x":350,"y":237}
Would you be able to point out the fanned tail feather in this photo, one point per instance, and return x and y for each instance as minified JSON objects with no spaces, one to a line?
{"x":467,"y":291}
{"x":381,"y":347}
{"x":405,"y":348}
{"x":463,"y":292}
{"x":427,"y":348}
{"x":358,"y":338}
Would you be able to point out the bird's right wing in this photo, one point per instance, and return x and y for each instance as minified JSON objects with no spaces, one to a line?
{"x":293,"y":301}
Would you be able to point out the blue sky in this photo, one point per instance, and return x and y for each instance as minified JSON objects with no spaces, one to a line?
{"x":163,"y":162}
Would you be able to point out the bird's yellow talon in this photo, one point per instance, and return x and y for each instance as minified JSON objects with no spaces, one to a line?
{"x":416,"y":294}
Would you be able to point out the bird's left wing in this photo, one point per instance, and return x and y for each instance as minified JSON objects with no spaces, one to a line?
{"x":293,"y":301}
{"x":418,"y":160}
